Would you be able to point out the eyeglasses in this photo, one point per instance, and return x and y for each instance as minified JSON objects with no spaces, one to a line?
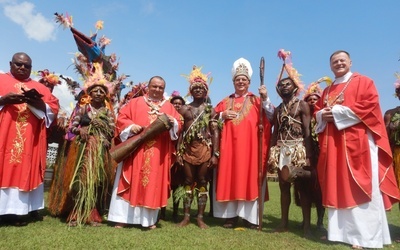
{"x":19,"y":65}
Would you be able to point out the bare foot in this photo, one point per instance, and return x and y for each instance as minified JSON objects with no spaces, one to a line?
{"x":308,"y":235}
{"x":281,"y":229}
{"x":184,"y":222}
{"x":95,"y":224}
{"x":356,"y":247}
{"x":201,"y":223}
{"x":119,"y":225}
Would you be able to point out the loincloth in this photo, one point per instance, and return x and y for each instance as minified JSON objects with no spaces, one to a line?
{"x":196,"y":153}
{"x":287,"y":153}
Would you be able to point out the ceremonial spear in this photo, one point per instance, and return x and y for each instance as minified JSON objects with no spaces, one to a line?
{"x":260,"y":154}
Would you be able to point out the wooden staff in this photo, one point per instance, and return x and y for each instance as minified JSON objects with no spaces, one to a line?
{"x":260,"y":154}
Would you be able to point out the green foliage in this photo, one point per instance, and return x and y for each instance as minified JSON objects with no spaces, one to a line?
{"x":180,"y":194}
{"x":197,"y":129}
{"x":53,"y":233}
{"x":395,"y":125}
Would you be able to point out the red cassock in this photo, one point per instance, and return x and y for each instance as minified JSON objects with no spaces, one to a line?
{"x":237,"y":175}
{"x":145,"y":176}
{"x":23,"y":145}
{"x":344,"y":166}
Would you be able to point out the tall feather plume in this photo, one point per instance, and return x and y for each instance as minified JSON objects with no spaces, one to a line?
{"x":65,"y":21}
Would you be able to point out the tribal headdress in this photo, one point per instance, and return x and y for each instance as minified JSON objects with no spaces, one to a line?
{"x":137,"y":90}
{"x":91,"y":63}
{"x":176,"y":95}
{"x":287,"y":66}
{"x":315,"y":89}
{"x":48,"y":79}
{"x":197,"y":78}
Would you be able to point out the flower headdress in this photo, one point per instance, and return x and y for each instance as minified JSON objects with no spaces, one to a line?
{"x":315,"y":89}
{"x":196,"y":78}
{"x":287,"y":66}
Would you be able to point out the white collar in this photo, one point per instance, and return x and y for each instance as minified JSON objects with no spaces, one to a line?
{"x":344,"y":78}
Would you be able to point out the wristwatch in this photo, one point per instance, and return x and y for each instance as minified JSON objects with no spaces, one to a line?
{"x":216,"y":153}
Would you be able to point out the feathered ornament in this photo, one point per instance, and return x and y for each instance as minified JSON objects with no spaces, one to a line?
{"x":196,"y":77}
{"x":326,"y":79}
{"x":282,"y":54}
{"x":91,"y":62}
{"x":73,"y":86}
{"x":47,"y":78}
{"x":137,"y":90}
{"x":65,"y":21}
{"x":287,"y":66}
{"x":99,"y":25}
{"x":315,"y":89}
{"x":175,"y":93}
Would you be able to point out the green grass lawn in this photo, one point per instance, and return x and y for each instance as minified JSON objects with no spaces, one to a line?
{"x":52,"y":233}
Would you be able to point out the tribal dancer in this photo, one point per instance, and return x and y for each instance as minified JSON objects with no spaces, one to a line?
{"x":198,"y":146}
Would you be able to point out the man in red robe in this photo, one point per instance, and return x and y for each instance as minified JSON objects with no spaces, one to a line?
{"x":142,"y":181}
{"x":355,"y":163}
{"x":237,"y":174}
{"x":27,"y":108}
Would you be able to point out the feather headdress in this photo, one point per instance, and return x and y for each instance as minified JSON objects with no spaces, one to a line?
{"x":137,"y":90}
{"x":47,"y":78}
{"x":91,"y":63}
{"x":315,"y":89}
{"x":196,"y":78}
{"x":287,"y":66}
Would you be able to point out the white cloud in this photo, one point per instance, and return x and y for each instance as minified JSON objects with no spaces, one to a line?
{"x":35,"y":25}
{"x":65,"y":97}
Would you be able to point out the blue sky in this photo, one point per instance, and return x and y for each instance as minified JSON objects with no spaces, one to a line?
{"x":166,"y":38}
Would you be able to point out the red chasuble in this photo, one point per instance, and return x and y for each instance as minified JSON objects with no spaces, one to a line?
{"x":23,"y":145}
{"x":237,"y":176}
{"x":145,"y":176}
{"x":344,"y":167}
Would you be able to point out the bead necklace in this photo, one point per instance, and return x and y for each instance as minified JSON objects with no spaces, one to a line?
{"x":155,"y":105}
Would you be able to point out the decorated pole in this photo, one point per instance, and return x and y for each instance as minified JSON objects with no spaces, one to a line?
{"x":260,"y":154}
